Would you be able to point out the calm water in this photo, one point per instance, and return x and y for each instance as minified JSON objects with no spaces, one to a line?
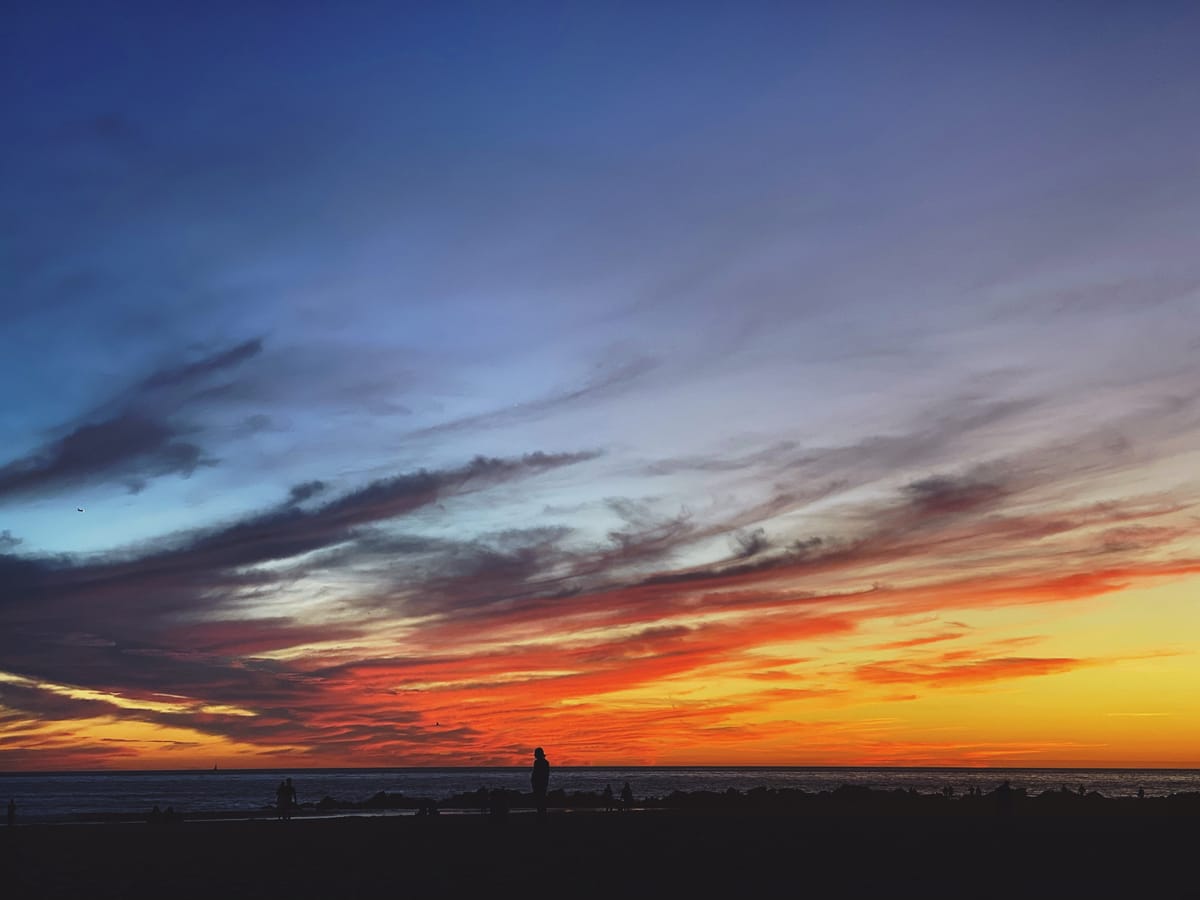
{"x":54,"y":796}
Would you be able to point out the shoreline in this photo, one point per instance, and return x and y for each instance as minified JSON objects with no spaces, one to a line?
{"x":845,"y":801}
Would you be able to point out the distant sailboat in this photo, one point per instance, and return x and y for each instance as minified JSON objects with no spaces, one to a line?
{"x":214,"y":767}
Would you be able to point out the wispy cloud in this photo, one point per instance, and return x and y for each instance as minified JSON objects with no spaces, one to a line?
{"x":604,"y":385}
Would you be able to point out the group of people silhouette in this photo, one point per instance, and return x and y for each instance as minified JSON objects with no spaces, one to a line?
{"x":159,"y":817}
{"x":610,"y":802}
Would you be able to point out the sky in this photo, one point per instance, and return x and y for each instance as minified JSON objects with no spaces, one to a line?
{"x":736,"y":384}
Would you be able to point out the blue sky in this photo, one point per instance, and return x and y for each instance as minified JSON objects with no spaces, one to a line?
{"x":684,"y":271}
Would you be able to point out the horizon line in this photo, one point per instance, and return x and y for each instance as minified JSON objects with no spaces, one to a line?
{"x":1195,"y":767}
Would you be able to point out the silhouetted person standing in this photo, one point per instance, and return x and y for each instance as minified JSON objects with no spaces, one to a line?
{"x":540,"y":780}
{"x":626,"y":797}
{"x":283,"y":800}
{"x":608,"y":798}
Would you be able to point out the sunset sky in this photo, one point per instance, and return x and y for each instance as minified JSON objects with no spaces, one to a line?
{"x":754,"y":384}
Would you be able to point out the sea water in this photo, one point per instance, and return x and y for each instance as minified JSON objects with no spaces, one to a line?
{"x":62,"y":796}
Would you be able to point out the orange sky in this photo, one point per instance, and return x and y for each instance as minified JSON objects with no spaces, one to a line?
{"x":859,"y":659}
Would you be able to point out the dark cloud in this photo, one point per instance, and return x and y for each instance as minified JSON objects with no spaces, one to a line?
{"x":645,"y":538}
{"x":301,"y":492}
{"x":290,"y":531}
{"x":751,"y":543}
{"x":802,"y":548}
{"x":945,"y":494}
{"x":513,"y":567}
{"x":128,"y":447}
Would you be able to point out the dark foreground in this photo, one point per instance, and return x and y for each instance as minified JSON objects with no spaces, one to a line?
{"x":644,"y":853}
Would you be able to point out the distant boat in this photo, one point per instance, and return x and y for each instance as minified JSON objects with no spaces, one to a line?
{"x":214,"y":767}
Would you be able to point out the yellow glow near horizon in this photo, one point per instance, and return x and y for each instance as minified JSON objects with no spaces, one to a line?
{"x":1107,"y":681}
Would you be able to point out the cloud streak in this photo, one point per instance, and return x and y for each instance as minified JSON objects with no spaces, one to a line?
{"x":126,"y":448}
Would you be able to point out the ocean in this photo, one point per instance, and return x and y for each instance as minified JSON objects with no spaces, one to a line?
{"x":72,"y":796}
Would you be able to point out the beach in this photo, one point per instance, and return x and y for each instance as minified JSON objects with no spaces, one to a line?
{"x":660,"y":852}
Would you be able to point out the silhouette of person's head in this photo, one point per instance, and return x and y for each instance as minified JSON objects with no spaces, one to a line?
{"x":539,"y":752}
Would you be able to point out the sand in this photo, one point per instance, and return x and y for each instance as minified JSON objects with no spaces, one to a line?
{"x":593,"y":854}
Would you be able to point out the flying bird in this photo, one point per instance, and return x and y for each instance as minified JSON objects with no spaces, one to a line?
{"x":79,"y":509}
